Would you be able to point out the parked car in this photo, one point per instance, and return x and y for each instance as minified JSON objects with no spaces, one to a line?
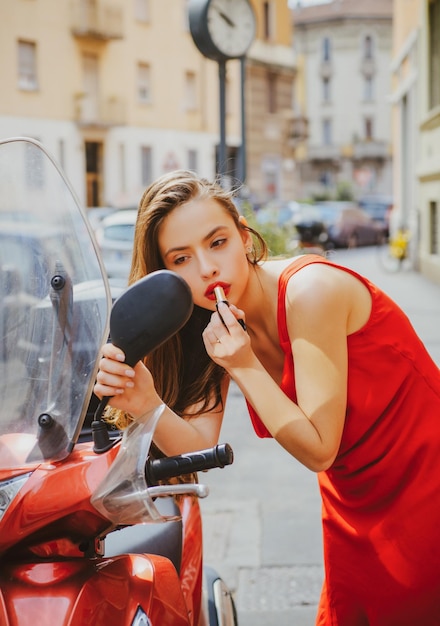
{"x":310,"y":227}
{"x":379,"y":207}
{"x":96,"y":214}
{"x":348,"y":225}
{"x":115,"y":236}
{"x":281,"y":214}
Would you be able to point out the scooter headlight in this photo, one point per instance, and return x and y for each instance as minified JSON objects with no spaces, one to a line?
{"x":8,"y":491}
{"x":141,"y":618}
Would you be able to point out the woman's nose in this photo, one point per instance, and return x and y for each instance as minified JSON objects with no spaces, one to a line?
{"x":207,"y":267}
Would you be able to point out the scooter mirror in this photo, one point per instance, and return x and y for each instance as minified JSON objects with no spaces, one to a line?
{"x":148,"y":313}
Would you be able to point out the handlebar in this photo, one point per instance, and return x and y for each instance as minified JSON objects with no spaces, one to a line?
{"x":173,"y":466}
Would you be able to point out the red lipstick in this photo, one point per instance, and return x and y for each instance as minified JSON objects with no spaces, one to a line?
{"x":220,"y":297}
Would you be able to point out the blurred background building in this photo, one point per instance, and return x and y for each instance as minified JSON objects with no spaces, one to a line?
{"x":416,"y":126}
{"x":344,"y":49}
{"x":119,"y":93}
{"x":341,"y":100}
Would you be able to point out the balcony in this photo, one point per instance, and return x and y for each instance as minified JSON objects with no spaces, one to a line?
{"x":324,"y":152}
{"x":96,"y":20}
{"x":96,"y":112}
{"x":370,"y":150}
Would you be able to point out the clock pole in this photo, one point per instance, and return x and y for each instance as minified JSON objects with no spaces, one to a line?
{"x":222,"y":108}
{"x":224,"y":30}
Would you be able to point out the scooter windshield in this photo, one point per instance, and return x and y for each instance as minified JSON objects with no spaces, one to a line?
{"x":54,"y":308}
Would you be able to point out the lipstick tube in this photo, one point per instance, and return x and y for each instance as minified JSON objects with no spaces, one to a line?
{"x":220,"y":297}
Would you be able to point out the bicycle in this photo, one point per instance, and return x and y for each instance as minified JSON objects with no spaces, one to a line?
{"x":394,"y":253}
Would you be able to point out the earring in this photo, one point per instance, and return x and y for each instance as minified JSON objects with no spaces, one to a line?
{"x":248,"y":250}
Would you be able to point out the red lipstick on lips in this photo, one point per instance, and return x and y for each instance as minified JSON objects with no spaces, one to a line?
{"x":210,"y":290}
{"x":220,"y":297}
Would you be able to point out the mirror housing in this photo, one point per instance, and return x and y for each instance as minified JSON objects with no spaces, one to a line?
{"x":148,"y":313}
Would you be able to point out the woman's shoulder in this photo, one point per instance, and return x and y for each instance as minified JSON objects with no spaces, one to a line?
{"x":285,"y":268}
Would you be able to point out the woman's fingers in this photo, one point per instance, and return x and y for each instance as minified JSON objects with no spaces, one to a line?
{"x":113,"y":376}
{"x":112,"y":352}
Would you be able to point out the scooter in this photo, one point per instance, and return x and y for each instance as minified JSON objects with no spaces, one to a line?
{"x":92,"y":531}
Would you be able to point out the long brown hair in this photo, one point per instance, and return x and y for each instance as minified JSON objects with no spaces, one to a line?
{"x":183,"y":373}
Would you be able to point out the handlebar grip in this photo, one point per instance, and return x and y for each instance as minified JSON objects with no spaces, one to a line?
{"x":173,"y":466}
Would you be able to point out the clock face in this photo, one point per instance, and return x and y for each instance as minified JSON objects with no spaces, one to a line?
{"x":231,"y":26}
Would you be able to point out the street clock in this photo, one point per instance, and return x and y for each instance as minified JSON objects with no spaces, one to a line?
{"x":222,"y":29}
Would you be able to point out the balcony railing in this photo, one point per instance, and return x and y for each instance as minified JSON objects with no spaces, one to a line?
{"x":102,"y":112}
{"x":96,"y":20}
{"x":324,"y":152}
{"x":370,"y":150}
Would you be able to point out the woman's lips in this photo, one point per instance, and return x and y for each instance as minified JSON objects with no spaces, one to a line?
{"x":209,"y":293}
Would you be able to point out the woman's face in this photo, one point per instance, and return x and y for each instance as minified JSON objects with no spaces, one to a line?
{"x":200,"y":241}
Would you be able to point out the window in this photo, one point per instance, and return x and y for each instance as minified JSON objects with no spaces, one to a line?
{"x":327,"y":132}
{"x":62,"y":153}
{"x":368,"y":47}
{"x":434,"y":227}
{"x":122,"y":167}
{"x":272,"y":93}
{"x":434,"y":53}
{"x":142,"y":10}
{"x":368,"y":128}
{"x":326,"y":49}
{"x":192,"y":160}
{"x":190,"y":91}
{"x":34,"y":168}
{"x":268,"y":20}
{"x":326,"y":94}
{"x":146,"y":165}
{"x":326,"y":178}
{"x":144,"y":83}
{"x":27,"y":66}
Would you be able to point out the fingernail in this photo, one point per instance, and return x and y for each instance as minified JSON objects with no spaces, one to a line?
{"x":129,"y":384}
{"x":129,"y":373}
{"x":120,"y":357}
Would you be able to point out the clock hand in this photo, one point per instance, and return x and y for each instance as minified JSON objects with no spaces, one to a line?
{"x":225,"y":17}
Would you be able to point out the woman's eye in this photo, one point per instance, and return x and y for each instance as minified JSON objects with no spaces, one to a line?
{"x":179,"y":260}
{"x":218,"y":242}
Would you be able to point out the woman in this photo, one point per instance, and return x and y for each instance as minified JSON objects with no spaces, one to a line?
{"x":330,"y":367}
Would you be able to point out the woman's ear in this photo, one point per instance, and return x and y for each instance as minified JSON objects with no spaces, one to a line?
{"x":245,"y":233}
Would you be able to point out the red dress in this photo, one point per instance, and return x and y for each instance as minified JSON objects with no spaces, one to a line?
{"x":381,"y":496}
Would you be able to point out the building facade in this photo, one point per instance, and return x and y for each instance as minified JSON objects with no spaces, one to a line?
{"x":344,"y":52}
{"x":119,"y":93}
{"x":270,"y":105}
{"x":416,"y":128}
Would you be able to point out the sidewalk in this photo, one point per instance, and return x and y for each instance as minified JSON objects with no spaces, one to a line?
{"x":262,"y":522}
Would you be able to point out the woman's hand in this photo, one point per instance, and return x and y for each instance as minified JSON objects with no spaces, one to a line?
{"x":225,"y":341}
{"x":130,"y":389}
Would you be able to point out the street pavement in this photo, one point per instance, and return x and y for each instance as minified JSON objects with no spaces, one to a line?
{"x":262,"y":527}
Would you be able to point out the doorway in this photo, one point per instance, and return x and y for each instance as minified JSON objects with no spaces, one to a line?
{"x":94,"y":172}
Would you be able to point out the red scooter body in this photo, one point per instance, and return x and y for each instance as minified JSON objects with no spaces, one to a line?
{"x":62,"y":496}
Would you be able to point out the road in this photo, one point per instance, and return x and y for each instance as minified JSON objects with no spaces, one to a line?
{"x":262,"y":525}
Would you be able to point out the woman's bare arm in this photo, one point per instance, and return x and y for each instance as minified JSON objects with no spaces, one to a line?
{"x":132,"y":390}
{"x":318,"y":304}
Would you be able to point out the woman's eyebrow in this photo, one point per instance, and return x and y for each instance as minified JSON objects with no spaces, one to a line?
{"x":205,"y":238}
